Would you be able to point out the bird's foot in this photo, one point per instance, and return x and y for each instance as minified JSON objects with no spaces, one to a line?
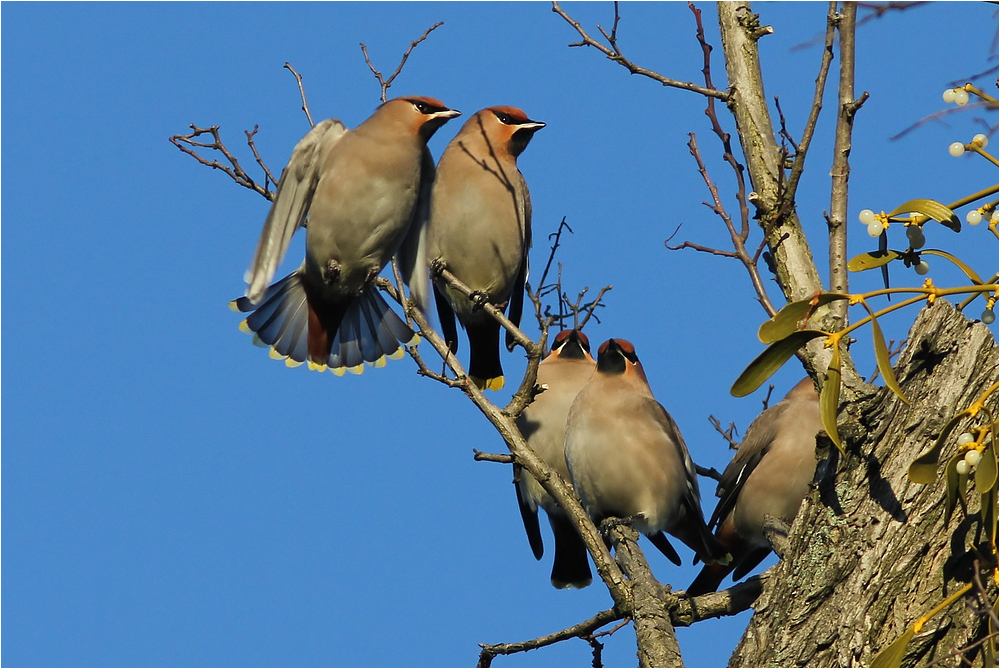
{"x":331,"y":273}
{"x":609,"y":524}
{"x":479,"y":299}
{"x":436,"y":266}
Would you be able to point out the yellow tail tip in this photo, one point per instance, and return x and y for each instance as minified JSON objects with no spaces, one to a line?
{"x":316,"y":368}
{"x":274,"y":355}
{"x":232,"y":306}
{"x":414,"y":341}
{"x":397,"y":354}
{"x":338,"y":371}
{"x":495,"y":383}
{"x":289,"y":362}
{"x":378,"y":363}
{"x":258,"y":342}
{"x":357,"y":369}
{"x":245,"y":327}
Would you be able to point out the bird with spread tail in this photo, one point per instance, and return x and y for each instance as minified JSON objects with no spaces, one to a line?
{"x":627,"y":459}
{"x":543,"y":424}
{"x":770,"y":474}
{"x":356,"y":192}
{"x":478,"y":227}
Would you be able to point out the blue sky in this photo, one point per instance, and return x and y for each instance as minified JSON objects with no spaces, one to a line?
{"x":171,"y":496}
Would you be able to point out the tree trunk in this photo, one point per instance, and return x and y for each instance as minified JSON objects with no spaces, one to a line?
{"x":870,"y":551}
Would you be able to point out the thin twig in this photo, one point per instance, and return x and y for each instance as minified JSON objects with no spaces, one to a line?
{"x":614,"y":53}
{"x":234,"y":170}
{"x":589,"y":308}
{"x":268,"y":177}
{"x":502,"y":458}
{"x":787,"y":201}
{"x":938,"y":115}
{"x":727,"y":434}
{"x":878,"y":9}
{"x":708,"y":472}
{"x":439,"y":271}
{"x":582,"y":629}
{"x":738,"y":238}
{"x":556,"y":237}
{"x":302,"y":93}
{"x":767,"y":398}
{"x":894,"y":349}
{"x":386,"y":83}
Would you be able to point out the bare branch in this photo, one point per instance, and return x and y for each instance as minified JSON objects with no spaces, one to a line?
{"x":877,"y":10}
{"x":268,"y":177}
{"x":654,"y":631}
{"x":767,"y":398}
{"x":708,"y":472}
{"x":614,"y":53}
{"x":686,"y":611}
{"x":439,"y":271}
{"x":580,"y":630}
{"x":841,"y":170}
{"x":234,"y":170}
{"x":787,"y":201}
{"x":386,"y":83}
{"x":556,"y":237}
{"x":503,"y":422}
{"x":938,"y":115}
{"x":589,"y":308}
{"x":738,"y":238}
{"x":302,"y":93}
{"x":502,"y":458}
{"x":727,"y":434}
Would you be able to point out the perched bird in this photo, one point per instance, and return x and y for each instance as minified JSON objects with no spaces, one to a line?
{"x":479,"y":226}
{"x":543,"y":423}
{"x":357,"y":192}
{"x":770,"y":474}
{"x":627,"y":458}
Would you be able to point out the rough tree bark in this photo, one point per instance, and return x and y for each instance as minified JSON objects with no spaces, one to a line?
{"x":870,"y":551}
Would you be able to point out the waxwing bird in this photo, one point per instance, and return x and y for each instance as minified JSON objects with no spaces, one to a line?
{"x":627,"y":459}
{"x":543,"y":423}
{"x":357,"y":192}
{"x":770,"y":474}
{"x":479,"y":226}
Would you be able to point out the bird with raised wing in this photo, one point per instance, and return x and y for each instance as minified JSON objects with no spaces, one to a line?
{"x":770,"y":474}
{"x":356,"y":192}
{"x":479,"y":227}
{"x":543,"y":424}
{"x":627,"y":459}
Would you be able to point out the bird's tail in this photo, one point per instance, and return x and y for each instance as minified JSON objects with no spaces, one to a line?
{"x":708,"y":579}
{"x":364,"y":330}
{"x":696,"y":535}
{"x":484,"y":353}
{"x":570,"y":568}
{"x":712,"y":574}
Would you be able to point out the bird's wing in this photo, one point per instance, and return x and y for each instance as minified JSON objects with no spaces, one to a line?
{"x":413,"y":253}
{"x":753,"y":448}
{"x":517,"y":296}
{"x":291,"y":204}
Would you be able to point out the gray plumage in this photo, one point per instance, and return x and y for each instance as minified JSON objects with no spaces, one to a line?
{"x":543,"y":423}
{"x":479,"y":225}
{"x":358,"y":191}
{"x":769,"y":474}
{"x":627,"y":458}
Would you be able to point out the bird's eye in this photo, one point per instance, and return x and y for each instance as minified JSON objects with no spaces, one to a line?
{"x":504,"y":118}
{"x":422,"y":107}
